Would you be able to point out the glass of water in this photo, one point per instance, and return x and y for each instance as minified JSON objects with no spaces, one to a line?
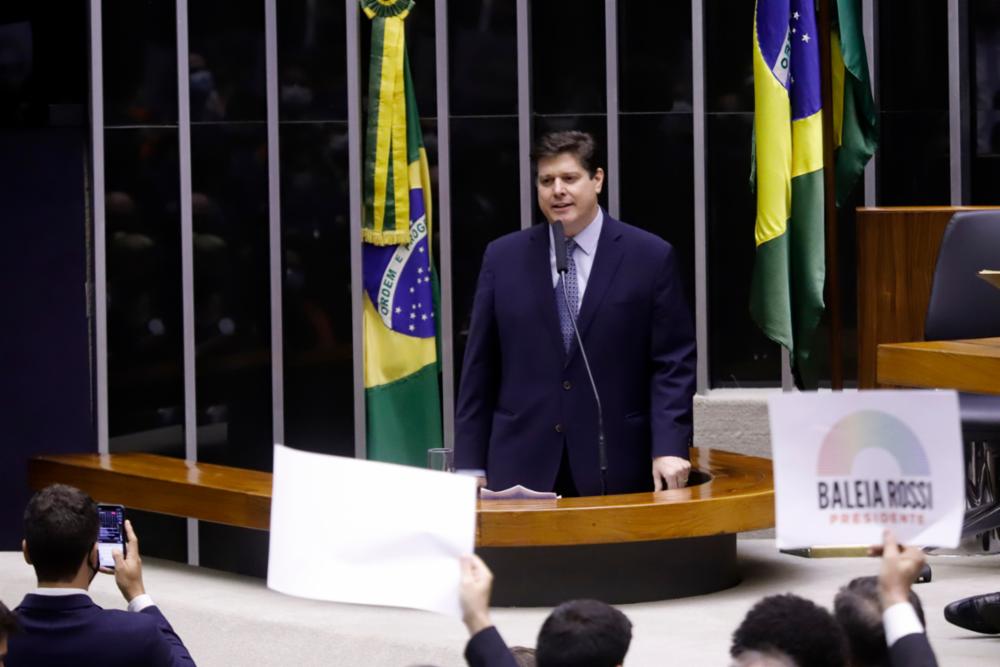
{"x":441,"y":458}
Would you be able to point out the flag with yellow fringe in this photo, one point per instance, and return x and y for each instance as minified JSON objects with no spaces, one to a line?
{"x":402,"y":396}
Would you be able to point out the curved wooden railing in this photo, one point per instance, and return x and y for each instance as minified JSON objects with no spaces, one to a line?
{"x":737,"y":495}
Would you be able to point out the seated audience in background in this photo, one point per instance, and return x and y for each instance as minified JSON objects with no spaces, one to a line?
{"x":858,"y":609}
{"x":788,"y":630}
{"x":8,"y":625}
{"x":580,"y":632}
{"x":904,"y":629}
{"x":58,"y":623}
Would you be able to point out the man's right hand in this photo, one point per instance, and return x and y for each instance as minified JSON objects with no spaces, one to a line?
{"x":900,"y":568}
{"x":474,"y":593}
{"x":128,"y":568}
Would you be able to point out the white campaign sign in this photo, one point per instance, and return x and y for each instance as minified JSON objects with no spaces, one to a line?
{"x":370,"y":533}
{"x":848,"y":465}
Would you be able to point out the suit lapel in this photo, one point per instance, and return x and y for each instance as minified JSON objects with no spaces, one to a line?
{"x":541,"y":275}
{"x":606,"y":262}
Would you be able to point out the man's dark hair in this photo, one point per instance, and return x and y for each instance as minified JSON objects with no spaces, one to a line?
{"x":60,"y":528}
{"x":858,"y":609}
{"x":583,"y":633}
{"x":802,"y":630}
{"x":8,"y":623}
{"x":578,"y":144}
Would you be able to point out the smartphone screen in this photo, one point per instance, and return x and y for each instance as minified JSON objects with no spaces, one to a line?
{"x":111,"y":535}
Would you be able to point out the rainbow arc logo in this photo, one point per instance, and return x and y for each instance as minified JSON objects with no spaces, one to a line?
{"x":871,"y":429}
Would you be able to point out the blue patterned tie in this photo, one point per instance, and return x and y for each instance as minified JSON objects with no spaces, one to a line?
{"x":565,"y":323}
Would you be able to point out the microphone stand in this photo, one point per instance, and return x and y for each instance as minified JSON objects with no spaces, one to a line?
{"x":559,"y":247}
{"x":602,"y":450}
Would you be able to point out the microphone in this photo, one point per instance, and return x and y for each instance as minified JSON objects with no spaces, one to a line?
{"x":559,"y":246}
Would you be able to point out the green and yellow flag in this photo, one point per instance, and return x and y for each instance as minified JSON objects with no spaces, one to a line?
{"x":855,"y":123}
{"x":786,"y":291}
{"x":402,"y":396}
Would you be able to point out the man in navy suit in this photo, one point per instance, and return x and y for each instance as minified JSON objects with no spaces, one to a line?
{"x":58,"y":623}
{"x":525,"y":412}
{"x":8,"y":625}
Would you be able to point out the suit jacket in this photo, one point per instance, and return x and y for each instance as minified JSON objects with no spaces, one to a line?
{"x":522,"y":398}
{"x":912,"y":650}
{"x":486,"y":648}
{"x":72,"y":630}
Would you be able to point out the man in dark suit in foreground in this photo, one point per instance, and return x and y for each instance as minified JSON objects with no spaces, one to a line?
{"x":578,"y":632}
{"x":904,"y":630}
{"x":8,"y":625}
{"x":790,"y":631}
{"x":59,"y":624}
{"x":525,"y":412}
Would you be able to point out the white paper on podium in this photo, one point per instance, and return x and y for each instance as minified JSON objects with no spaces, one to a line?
{"x":348,"y":530}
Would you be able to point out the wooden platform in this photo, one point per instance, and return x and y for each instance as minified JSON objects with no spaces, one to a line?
{"x":624,"y":548}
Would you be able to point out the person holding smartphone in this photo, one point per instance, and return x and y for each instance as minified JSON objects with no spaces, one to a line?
{"x":58,"y":623}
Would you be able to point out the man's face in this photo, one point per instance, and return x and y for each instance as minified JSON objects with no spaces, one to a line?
{"x":567,"y":192}
{"x":3,"y":650}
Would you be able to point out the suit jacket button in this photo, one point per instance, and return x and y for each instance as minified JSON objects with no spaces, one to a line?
{"x":567,"y":385}
{"x":559,"y":428}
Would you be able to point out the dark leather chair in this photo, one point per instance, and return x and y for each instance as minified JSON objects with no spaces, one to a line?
{"x":962,"y":305}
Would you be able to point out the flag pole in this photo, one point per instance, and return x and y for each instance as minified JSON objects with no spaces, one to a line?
{"x":829,"y":202}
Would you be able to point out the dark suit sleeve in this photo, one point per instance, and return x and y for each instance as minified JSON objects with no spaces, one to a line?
{"x":673,"y":356}
{"x":912,"y":650}
{"x":477,"y":389}
{"x":168,"y":648}
{"x":486,"y":648}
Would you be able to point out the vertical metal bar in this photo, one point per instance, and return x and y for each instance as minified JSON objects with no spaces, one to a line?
{"x":958,"y":117}
{"x":524,"y":110}
{"x":444,"y":219}
{"x":787,"y":379}
{"x":274,"y":222}
{"x":869,"y":22}
{"x":99,"y":294}
{"x":611,"y":68}
{"x":954,"y":109}
{"x":700,"y":201}
{"x":187,"y":258}
{"x":354,"y":187}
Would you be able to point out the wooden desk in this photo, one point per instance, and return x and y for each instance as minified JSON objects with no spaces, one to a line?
{"x":897,"y":253}
{"x":967,"y":365}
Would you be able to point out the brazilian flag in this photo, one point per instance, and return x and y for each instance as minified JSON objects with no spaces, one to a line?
{"x":402,"y":396}
{"x":786,"y":290}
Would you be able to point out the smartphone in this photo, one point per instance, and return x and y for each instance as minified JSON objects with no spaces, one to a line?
{"x":111,"y":535}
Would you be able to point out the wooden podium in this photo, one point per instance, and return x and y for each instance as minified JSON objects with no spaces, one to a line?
{"x":625,"y":548}
{"x":897,"y":253}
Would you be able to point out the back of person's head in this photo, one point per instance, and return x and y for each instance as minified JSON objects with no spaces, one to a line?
{"x":583,"y":633}
{"x":60,"y":528}
{"x":795,"y":627}
{"x":859,"y":611}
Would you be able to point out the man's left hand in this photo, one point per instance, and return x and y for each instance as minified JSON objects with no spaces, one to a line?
{"x":670,"y":472}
